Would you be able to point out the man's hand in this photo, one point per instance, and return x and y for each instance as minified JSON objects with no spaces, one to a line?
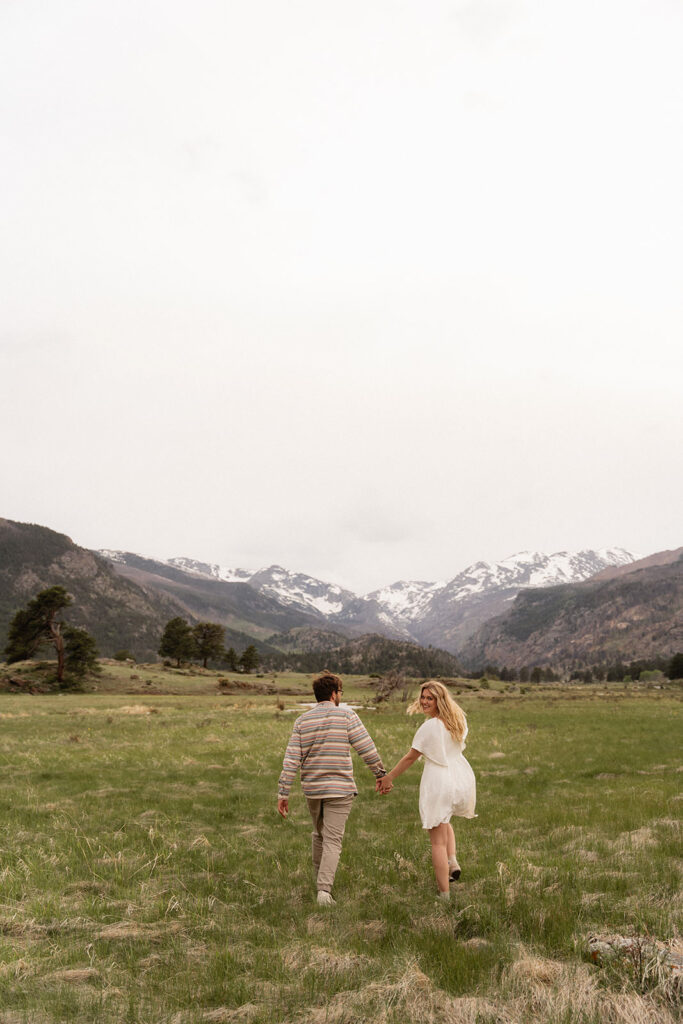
{"x":384,"y":785}
{"x":283,"y":806}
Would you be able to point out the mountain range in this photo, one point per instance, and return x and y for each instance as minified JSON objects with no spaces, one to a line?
{"x":442,"y":614}
{"x":531,"y":608}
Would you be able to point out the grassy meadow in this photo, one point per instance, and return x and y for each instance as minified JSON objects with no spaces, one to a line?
{"x":145,"y":875}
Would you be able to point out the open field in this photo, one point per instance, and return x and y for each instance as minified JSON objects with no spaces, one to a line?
{"x":145,"y":875}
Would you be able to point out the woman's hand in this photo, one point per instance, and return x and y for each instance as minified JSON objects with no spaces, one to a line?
{"x":387,"y":781}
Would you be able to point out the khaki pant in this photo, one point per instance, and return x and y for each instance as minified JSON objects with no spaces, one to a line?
{"x":329,"y":816}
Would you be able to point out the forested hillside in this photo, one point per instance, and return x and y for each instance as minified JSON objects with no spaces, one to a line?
{"x":306,"y":650}
{"x":119,"y":614}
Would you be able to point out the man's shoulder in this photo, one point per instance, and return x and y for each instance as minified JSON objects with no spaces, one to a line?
{"x":320,"y":710}
{"x":350,"y":713}
{"x":333,"y":712}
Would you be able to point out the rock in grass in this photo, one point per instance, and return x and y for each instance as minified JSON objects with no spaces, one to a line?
{"x":640,"y":948}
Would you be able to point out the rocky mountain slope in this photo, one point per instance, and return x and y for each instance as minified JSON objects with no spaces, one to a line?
{"x":660,"y":558}
{"x":244,"y":611}
{"x":633,"y":614}
{"x":294,"y":590}
{"x":119,"y":614}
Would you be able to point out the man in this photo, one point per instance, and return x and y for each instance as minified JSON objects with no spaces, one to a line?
{"x":319,"y":747}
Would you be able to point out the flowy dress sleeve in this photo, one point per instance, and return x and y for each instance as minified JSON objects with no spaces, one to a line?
{"x":429,"y":740}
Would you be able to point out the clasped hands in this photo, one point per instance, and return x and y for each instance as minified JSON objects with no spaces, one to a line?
{"x":384,"y":785}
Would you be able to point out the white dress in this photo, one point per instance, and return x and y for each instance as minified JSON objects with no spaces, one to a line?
{"x":448,"y":785}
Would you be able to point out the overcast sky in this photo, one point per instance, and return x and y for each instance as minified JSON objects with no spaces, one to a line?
{"x":372,"y":290}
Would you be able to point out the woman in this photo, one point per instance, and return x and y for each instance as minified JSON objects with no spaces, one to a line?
{"x":448,"y":786}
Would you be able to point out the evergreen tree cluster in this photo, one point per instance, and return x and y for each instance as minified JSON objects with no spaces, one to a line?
{"x":671,"y":668}
{"x":204,"y":642}
{"x":526,"y":674}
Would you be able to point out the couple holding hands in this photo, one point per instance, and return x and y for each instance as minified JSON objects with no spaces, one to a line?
{"x":320,"y":749}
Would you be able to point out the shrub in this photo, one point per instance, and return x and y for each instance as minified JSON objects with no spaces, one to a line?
{"x":675,"y":667}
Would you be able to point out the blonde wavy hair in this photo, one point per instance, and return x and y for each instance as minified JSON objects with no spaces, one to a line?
{"x":450,"y":713}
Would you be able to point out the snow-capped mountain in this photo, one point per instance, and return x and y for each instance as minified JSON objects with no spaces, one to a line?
{"x":301,"y":591}
{"x":527,"y":569}
{"x":406,"y":602}
{"x":535,"y":569}
{"x":446,"y":614}
{"x":292,"y":589}
{"x":485,"y":589}
{"x":410,"y":602}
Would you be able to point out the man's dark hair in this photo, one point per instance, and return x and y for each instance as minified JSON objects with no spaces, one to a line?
{"x":325,"y":685}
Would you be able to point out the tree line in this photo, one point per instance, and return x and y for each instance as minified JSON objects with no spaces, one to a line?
{"x":375,"y":656}
{"x":41,"y":624}
{"x":616,"y":672}
{"x":204,"y":642}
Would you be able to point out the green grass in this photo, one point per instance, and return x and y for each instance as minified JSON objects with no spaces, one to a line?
{"x":140,"y":848}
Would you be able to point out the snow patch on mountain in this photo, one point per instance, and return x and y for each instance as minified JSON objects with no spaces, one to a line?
{"x":405,"y":600}
{"x":113,"y":556}
{"x":533,"y":569}
{"x":298,"y":590}
{"x":211,"y":570}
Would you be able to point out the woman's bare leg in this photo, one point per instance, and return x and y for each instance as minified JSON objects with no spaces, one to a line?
{"x":439,"y":839}
{"x":450,"y":845}
{"x":453,"y":866}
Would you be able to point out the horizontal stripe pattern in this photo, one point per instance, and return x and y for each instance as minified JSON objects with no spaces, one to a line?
{"x":320,"y":748}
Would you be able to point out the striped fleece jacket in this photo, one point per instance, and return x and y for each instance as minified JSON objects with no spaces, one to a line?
{"x":320,"y":747}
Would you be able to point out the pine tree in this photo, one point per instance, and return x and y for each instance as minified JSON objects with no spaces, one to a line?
{"x":208,"y":638}
{"x":675,"y":667}
{"x":81,"y":652}
{"x":38,"y":625}
{"x":249,"y":659}
{"x":177,"y":641}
